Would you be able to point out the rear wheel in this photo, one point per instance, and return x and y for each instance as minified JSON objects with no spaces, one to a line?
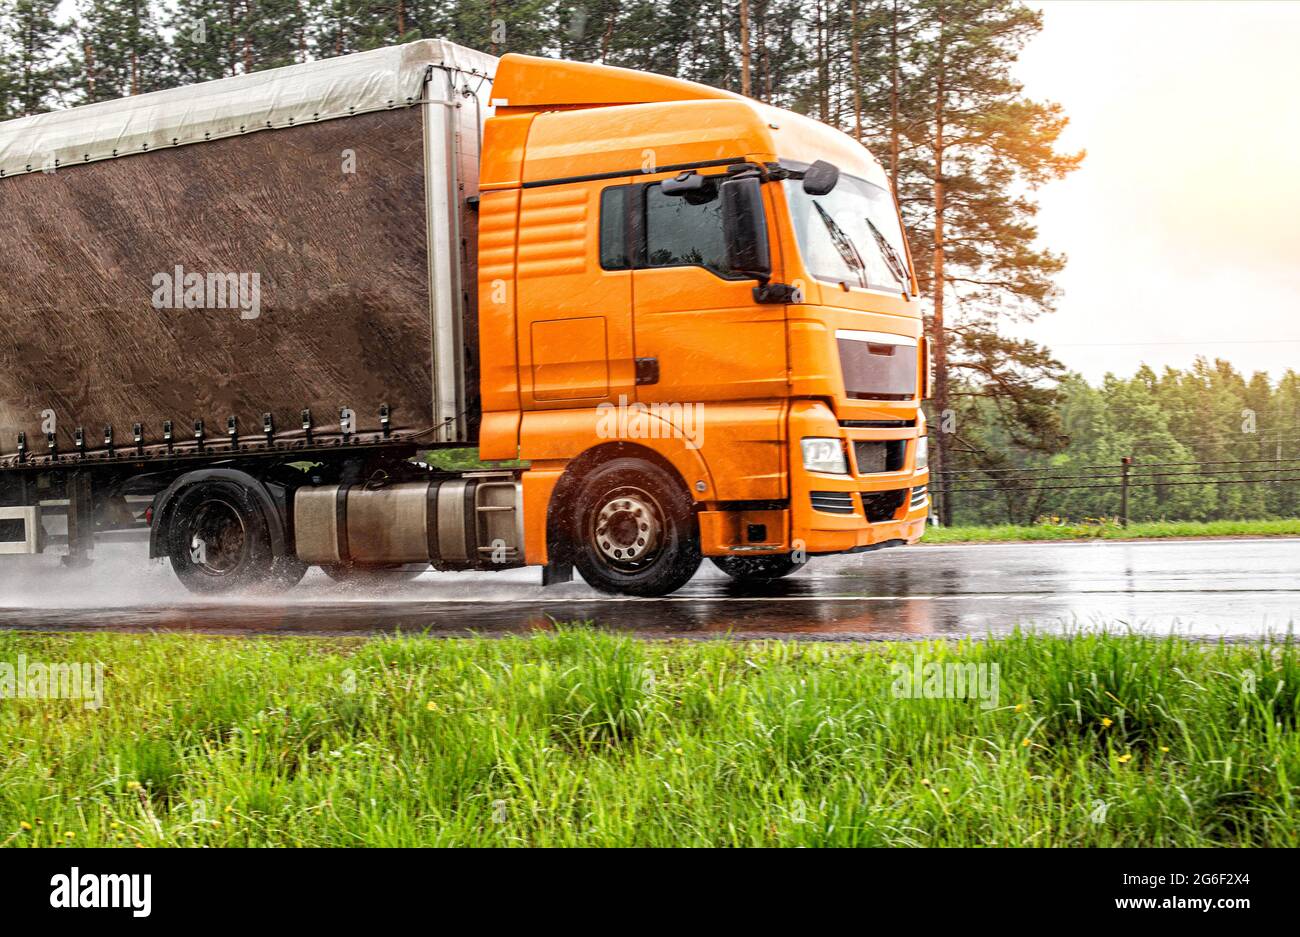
{"x":634,"y":529}
{"x":219,"y":540}
{"x":757,"y":569}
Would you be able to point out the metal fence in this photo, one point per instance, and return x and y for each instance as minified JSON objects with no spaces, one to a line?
{"x":1123,"y":476}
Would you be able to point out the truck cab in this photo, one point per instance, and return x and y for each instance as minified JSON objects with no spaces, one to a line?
{"x":711,"y":295}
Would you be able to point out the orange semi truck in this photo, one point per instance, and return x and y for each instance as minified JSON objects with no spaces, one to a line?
{"x":238,"y":317}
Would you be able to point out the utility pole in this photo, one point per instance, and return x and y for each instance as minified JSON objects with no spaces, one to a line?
{"x":1123,"y":490}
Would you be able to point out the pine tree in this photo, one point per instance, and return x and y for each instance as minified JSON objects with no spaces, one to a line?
{"x":118,"y":51}
{"x":204,"y":43}
{"x":8,"y":88}
{"x":36,"y":74}
{"x":970,"y":144}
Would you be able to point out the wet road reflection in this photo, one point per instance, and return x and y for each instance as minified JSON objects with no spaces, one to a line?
{"x":1228,"y":587}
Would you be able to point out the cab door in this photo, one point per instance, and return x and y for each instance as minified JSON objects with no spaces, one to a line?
{"x":574,"y":315}
{"x":702,"y":340}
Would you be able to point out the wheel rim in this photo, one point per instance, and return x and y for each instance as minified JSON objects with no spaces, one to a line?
{"x":628,"y":530}
{"x":217,"y":538}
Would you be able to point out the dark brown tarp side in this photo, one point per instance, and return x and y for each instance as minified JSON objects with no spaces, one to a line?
{"x":342,"y":311}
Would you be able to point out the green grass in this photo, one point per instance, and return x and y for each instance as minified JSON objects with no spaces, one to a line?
{"x":586,"y":738}
{"x":1108,"y":529}
{"x":466,"y":460}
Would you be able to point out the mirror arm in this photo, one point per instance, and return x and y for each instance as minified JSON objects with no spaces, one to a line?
{"x":768,"y":292}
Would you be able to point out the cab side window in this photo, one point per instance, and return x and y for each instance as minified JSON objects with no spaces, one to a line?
{"x":613,"y":228}
{"x":642,"y":227}
{"x":684,"y":230}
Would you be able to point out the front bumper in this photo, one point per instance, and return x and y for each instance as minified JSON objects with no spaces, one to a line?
{"x":880,"y":501}
{"x":883,"y":500}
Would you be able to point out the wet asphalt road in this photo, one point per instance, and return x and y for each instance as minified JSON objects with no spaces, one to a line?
{"x":1235,"y":588}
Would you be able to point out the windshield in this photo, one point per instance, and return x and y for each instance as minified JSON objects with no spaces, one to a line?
{"x":850,"y":236}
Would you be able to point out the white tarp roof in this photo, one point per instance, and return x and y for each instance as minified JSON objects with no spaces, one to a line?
{"x":351,"y":84}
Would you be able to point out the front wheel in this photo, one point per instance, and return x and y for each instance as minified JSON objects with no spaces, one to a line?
{"x":757,"y":569}
{"x":634,"y":530}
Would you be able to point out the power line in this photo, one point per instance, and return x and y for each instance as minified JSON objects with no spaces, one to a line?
{"x":1207,"y":481}
{"x":1234,"y":341}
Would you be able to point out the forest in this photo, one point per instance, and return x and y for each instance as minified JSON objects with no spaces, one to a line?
{"x":929,"y":86}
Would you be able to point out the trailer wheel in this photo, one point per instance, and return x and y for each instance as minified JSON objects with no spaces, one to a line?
{"x":634,"y":530}
{"x":218,"y":541}
{"x":371,"y":575}
{"x":757,"y":569}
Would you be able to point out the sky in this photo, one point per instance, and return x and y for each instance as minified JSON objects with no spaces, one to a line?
{"x":1182,"y":227}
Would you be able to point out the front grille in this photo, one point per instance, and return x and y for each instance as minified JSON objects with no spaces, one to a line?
{"x":877,"y":424}
{"x":883,"y":505}
{"x":918,"y":496}
{"x":833,"y":502}
{"x":872,"y":456}
{"x":878,"y":370}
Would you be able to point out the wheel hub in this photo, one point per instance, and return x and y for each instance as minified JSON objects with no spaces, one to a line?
{"x":217,"y":538}
{"x":628,"y":528}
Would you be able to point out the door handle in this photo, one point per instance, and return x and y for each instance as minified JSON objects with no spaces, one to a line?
{"x":647,"y":371}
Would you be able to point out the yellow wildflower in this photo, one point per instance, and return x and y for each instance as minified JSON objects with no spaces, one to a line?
{"x":1106,"y":722}
{"x":1124,"y":759}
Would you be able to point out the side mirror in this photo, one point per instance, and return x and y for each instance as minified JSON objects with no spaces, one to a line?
{"x":821,"y":178}
{"x":744,"y":226}
{"x":927,"y":370}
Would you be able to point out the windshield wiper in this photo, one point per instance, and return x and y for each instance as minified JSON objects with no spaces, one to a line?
{"x":848,"y":252}
{"x":896,"y":263}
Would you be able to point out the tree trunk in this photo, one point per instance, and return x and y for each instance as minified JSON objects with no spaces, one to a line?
{"x":746,"y":87}
{"x":855,"y":77}
{"x":135,"y":56}
{"x":941,"y":399}
{"x":823,"y":64}
{"x":89,"y":51}
{"x":893,"y":98}
{"x":607,"y":39}
{"x":249,"y":19}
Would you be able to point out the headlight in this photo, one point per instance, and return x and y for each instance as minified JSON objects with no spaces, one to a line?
{"x":824,"y":455}
{"x":922,"y":453}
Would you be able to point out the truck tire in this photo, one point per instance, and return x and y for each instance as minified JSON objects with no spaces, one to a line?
{"x":219,"y":541}
{"x":371,"y":575}
{"x":757,"y":569}
{"x":634,"y":530}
